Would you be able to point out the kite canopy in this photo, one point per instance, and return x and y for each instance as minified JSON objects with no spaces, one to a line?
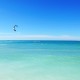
{"x":14,"y":28}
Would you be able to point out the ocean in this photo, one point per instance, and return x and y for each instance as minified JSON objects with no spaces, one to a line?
{"x":39,"y":60}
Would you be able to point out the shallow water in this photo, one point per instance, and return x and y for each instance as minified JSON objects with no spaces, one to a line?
{"x":39,"y":60}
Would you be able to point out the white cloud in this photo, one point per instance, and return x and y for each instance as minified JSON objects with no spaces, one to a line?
{"x":38,"y":37}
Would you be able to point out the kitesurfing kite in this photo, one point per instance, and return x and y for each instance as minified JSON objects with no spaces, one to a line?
{"x":14,"y":28}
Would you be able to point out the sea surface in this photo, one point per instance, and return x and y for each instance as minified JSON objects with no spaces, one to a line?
{"x":39,"y":60}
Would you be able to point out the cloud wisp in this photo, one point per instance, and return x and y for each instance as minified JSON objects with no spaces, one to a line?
{"x":38,"y":37}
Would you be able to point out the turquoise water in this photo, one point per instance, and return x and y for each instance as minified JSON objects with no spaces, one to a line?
{"x":39,"y":60}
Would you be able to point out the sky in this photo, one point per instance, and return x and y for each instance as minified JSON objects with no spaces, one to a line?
{"x":40,"y":19}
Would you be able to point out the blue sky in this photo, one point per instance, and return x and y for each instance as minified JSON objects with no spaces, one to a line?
{"x":40,"y":19}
